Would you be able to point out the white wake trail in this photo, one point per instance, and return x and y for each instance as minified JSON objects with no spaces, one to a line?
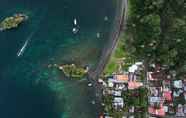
{"x":23,"y":48}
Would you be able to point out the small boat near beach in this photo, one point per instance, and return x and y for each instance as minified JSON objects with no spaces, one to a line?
{"x":93,"y":102}
{"x":98,"y":35}
{"x":106,"y":18}
{"x":90,"y":84}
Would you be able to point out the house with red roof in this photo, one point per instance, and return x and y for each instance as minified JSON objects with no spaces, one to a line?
{"x":155,"y":111}
{"x":167,"y":95}
{"x":134,"y":85}
{"x":156,"y":76}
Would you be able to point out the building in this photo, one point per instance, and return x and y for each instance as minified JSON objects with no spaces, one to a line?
{"x":118,"y":82}
{"x":156,"y":76}
{"x":117,"y":93}
{"x":155,"y":100}
{"x":184,"y":95}
{"x":166,"y":109}
{"x":155,"y":91}
{"x":122,"y":81}
{"x":159,"y":112}
{"x":171,"y":109}
{"x":167,"y":95}
{"x":120,"y":78}
{"x":177,"y":93}
{"x":184,"y":88}
{"x":178,"y":84}
{"x":179,"y":112}
{"x":134,"y":85}
{"x":166,"y":85}
{"x":118,"y":103}
{"x":184,"y":108}
{"x":131,"y":109}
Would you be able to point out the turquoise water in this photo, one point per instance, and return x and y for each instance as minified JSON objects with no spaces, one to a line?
{"x":28,"y":88}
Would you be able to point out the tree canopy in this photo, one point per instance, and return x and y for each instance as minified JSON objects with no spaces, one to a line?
{"x":156,"y":31}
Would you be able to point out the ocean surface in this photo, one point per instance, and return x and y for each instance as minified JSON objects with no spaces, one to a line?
{"x":30,"y":85}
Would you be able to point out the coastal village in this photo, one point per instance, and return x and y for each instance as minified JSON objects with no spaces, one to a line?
{"x":150,"y":85}
{"x":137,"y":93}
{"x":145,"y":76}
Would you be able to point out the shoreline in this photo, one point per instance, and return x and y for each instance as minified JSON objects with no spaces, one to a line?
{"x":119,"y":23}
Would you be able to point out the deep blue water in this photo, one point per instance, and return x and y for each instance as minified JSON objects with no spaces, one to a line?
{"x":28,"y":88}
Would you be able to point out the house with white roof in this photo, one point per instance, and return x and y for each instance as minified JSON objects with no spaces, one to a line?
{"x":118,"y":103}
{"x":184,"y":108}
{"x":177,"y":93}
{"x":117,"y":93}
{"x":178,"y":84}
{"x":179,"y":112}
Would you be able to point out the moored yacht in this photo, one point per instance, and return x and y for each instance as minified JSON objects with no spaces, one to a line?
{"x":75,"y":29}
{"x":75,"y":21}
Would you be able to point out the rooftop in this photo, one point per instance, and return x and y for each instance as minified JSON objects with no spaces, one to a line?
{"x":158,"y":112}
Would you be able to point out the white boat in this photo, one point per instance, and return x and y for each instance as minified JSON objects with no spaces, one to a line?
{"x":93,"y":102}
{"x":90,"y":84}
{"x":98,"y":35}
{"x":21,"y":51}
{"x":75,"y":30}
{"x":106,"y":18}
{"x":75,"y":21}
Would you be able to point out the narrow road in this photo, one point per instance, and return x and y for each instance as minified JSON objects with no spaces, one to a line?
{"x":119,"y":21}
{"x":118,"y":24}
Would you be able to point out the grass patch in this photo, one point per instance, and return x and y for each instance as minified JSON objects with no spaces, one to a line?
{"x":117,"y":55}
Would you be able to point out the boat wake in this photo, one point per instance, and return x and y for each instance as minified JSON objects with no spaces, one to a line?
{"x":23,"y":48}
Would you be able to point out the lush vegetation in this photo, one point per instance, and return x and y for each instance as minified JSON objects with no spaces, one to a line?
{"x":119,"y":58}
{"x":12,"y":22}
{"x":136,"y":98}
{"x":108,"y":100}
{"x":156,"y":32}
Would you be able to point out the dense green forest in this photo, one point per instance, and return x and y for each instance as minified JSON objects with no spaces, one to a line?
{"x":156,"y":32}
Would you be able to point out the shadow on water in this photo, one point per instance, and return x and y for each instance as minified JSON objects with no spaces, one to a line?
{"x":20,"y":100}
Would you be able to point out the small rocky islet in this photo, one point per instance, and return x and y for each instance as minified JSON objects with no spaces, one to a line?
{"x":13,"y":21}
{"x":73,"y":71}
